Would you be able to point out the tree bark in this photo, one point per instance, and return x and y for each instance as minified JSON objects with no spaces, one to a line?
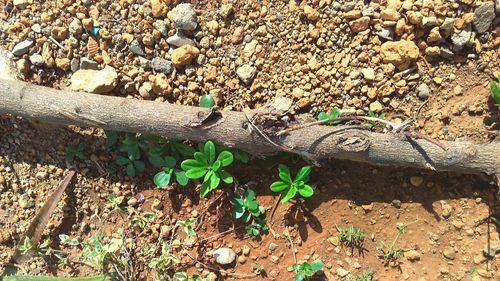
{"x":231,"y":129}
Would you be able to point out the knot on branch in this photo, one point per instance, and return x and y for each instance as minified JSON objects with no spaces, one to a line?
{"x":353,"y":141}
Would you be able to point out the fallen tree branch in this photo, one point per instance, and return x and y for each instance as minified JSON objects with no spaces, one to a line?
{"x":230,"y":128}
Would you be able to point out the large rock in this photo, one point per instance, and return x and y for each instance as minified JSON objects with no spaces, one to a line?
{"x":400,"y":53}
{"x":462,"y":39}
{"x":224,"y":256}
{"x":483,"y":16}
{"x":159,"y":8}
{"x":184,"y":55}
{"x":246,"y":73}
{"x":184,"y":17}
{"x":179,"y":40}
{"x":94,"y":81}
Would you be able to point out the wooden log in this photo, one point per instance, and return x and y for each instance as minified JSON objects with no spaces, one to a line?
{"x":231,"y":129}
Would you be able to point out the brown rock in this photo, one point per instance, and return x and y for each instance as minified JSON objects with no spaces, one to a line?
{"x":60,"y":32}
{"x":360,"y":24}
{"x":400,"y":53}
{"x":94,"y":81}
{"x":311,"y":13}
{"x":63,"y":63}
{"x":354,"y":14}
{"x":159,"y":8}
{"x":376,"y":106}
{"x":390,"y":14}
{"x":434,"y":36}
{"x":415,"y":17}
{"x":184,"y":55}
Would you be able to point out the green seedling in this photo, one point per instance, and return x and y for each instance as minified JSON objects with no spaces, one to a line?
{"x":132,"y":164}
{"x":66,"y":240}
{"x":161,"y":147}
{"x":183,"y":276}
{"x":257,"y":268}
{"x":367,"y":275}
{"x":164,"y":262}
{"x":351,"y":236}
{"x":141,"y":220}
{"x":209,"y":167}
{"x":188,"y":226}
{"x":306,"y":270}
{"x":334,"y":113}
{"x":73,"y":151}
{"x":96,"y":253}
{"x":289,"y":187}
{"x":132,"y":145}
{"x":111,"y":138}
{"x":115,"y":201}
{"x":162,"y":178}
{"x":256,"y":227}
{"x":238,"y":154}
{"x":375,"y":124}
{"x":495,"y":90}
{"x":207,"y":101}
{"x":389,"y":252}
{"x":246,"y":207}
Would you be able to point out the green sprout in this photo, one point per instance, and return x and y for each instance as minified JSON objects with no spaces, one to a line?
{"x":132,"y":164}
{"x":305,"y":270}
{"x":351,"y":236}
{"x":334,"y":113}
{"x":163,"y":177}
{"x":66,"y":240}
{"x":73,"y":151}
{"x":164,"y":262}
{"x":289,"y":187}
{"x":389,"y":252}
{"x":209,"y":167}
{"x":256,"y":227}
{"x":495,"y":90}
{"x":246,"y":208}
{"x":188,"y":226}
{"x":115,"y":201}
{"x":257,"y":268}
{"x":375,"y":124}
{"x":141,"y":220}
{"x":367,"y":275}
{"x":183,"y":276}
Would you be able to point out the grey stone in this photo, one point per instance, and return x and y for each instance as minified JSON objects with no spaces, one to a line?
{"x":36,"y":60}
{"x":22,"y":47}
{"x":75,"y":27}
{"x":484,"y":16}
{"x":145,"y":63}
{"x":224,"y":256}
{"x":162,"y":65}
{"x":184,"y":17}
{"x":135,"y":47}
{"x":161,"y":27}
{"x":179,"y":40}
{"x":447,"y":28}
{"x":25,"y":202}
{"x":423,"y":91}
{"x":429,"y":21}
{"x":386,"y":33}
{"x":246,"y":73}
{"x":445,"y":52}
{"x":75,"y":64}
{"x":87,"y":63}
{"x":341,"y":272}
{"x":273,"y":247}
{"x":462,"y":38}
{"x":37,"y":28}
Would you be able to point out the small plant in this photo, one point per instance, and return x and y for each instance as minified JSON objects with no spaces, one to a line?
{"x":209,"y":167}
{"x":257,"y":268}
{"x":164,"y":262}
{"x":141,"y":220}
{"x":73,"y":151}
{"x":289,"y":187}
{"x":495,"y":90}
{"x":188,"y":226}
{"x":367,"y":275}
{"x":96,"y":253}
{"x":207,"y":101}
{"x":66,"y":240}
{"x":246,"y":208}
{"x":162,"y":178}
{"x":306,"y":270}
{"x":115,"y":201}
{"x":391,"y":253}
{"x":375,"y":124}
{"x":132,"y":164}
{"x":183,"y":276}
{"x":334,"y":113}
{"x":238,"y":154}
{"x":351,"y":236}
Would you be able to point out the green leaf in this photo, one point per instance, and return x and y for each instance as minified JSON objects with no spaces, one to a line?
{"x":322,"y":116}
{"x":238,"y":211}
{"x":156,"y":160}
{"x":206,"y":101}
{"x":208,"y":175}
{"x":249,"y":194}
{"x":191,"y":164}
{"x":214,"y":181}
{"x":217,"y":164}
{"x":162,"y":179}
{"x":170,"y":161}
{"x":181,"y":276}
{"x":209,"y":151}
{"x":201,"y":158}
{"x":289,"y":194}
{"x":284,"y":173}
{"x":306,"y":191}
{"x":140,"y":166}
{"x":226,"y":158}
{"x":205,"y":188}
{"x":241,"y":155}
{"x":299,"y":276}
{"x":246,"y":217}
{"x":317,"y":265}
{"x":252,"y":205}
{"x":279,"y":186}
{"x":226,"y":177}
{"x":180,"y":177}
{"x":495,"y":91}
{"x":196,"y":173}
{"x":303,"y":173}
{"x":130,"y":170}
{"x":120,"y":160}
{"x":182,"y":148}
